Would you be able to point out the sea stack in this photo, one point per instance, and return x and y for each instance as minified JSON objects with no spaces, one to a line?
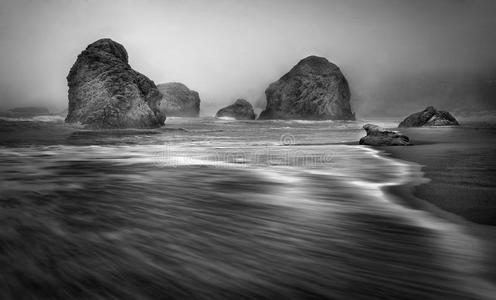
{"x":179,"y":100}
{"x":239,"y":110}
{"x":376,"y":136}
{"x":429,"y":117}
{"x":314,"y":89}
{"x":105,"y":92}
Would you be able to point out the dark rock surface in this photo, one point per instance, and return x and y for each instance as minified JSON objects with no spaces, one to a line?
{"x":179,"y":100}
{"x":429,"y":117}
{"x":314,"y":89}
{"x":240,"y":110}
{"x":376,"y":136}
{"x":105,"y":92}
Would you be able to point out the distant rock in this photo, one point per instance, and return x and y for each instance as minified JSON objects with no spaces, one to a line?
{"x":429,"y":117}
{"x":240,"y":110}
{"x":105,"y":92}
{"x":314,"y":89}
{"x":29,"y":111}
{"x":179,"y":100}
{"x":376,"y":136}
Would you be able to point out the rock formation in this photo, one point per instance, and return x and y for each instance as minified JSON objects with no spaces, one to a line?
{"x":376,"y":136}
{"x":179,"y":100}
{"x":105,"y":92}
{"x":429,"y":117}
{"x":314,"y":89}
{"x":240,"y":110}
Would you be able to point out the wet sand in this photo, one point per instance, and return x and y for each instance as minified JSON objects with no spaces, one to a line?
{"x":460,"y":166}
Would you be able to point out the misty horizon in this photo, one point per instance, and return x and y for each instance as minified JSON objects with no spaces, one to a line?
{"x":397,"y":56}
{"x":248,"y":149}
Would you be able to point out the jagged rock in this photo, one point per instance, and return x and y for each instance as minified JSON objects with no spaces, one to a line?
{"x":105,"y":92}
{"x":314,"y":89}
{"x":376,"y":136}
{"x":179,"y":100}
{"x":240,"y":110}
{"x":429,"y":117}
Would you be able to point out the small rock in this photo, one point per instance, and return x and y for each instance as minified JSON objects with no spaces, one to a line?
{"x":429,"y":117}
{"x":240,"y":110}
{"x":376,"y":136}
{"x":179,"y":100}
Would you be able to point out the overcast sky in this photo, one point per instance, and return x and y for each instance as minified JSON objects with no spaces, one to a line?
{"x":398,"y":55}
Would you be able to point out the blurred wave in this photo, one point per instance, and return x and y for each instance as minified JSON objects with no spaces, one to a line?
{"x":208,"y":209}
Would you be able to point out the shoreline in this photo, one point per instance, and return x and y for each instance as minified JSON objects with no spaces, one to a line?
{"x":461,"y":166}
{"x":439,"y":152}
{"x":403,"y":194}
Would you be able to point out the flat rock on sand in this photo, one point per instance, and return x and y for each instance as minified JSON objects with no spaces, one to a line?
{"x":377,"y":136}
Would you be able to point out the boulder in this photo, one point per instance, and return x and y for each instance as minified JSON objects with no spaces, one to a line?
{"x":240,"y":110}
{"x":105,"y":92}
{"x":376,"y":136}
{"x":429,"y":117}
{"x":314,"y":89}
{"x":179,"y":100}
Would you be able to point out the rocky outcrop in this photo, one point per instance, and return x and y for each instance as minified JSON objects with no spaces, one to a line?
{"x":376,"y":136}
{"x":179,"y":100}
{"x":314,"y":89}
{"x":240,"y":110}
{"x":105,"y":92}
{"x":429,"y":117}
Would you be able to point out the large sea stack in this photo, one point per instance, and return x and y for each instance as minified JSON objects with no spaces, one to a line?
{"x":105,"y":92}
{"x":179,"y":100}
{"x":429,"y":117}
{"x":239,"y":110}
{"x":314,"y":89}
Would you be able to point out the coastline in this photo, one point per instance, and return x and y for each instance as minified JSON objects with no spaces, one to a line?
{"x":461,"y":166}
{"x":459,"y":188}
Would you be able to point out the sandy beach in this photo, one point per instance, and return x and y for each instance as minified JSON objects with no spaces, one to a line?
{"x":460,"y":165}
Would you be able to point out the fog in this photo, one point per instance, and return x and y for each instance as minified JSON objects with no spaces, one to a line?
{"x":398,"y":56}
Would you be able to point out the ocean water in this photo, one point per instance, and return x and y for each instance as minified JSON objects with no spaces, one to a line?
{"x":219,"y":209}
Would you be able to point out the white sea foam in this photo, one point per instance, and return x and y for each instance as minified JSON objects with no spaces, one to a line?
{"x":226,"y":118}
